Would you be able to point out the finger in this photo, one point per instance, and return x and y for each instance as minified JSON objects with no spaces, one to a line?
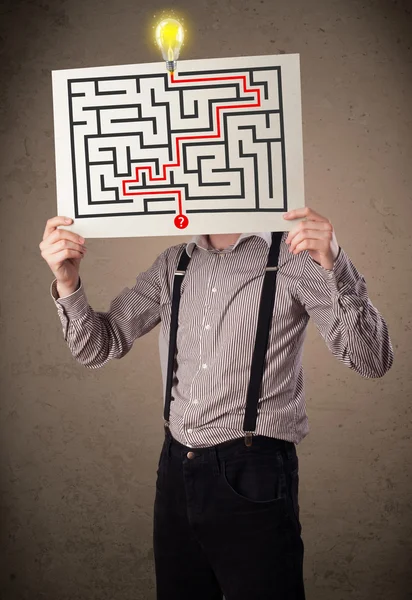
{"x":53,"y":223}
{"x":62,"y":245}
{"x":298,"y":213}
{"x":63,"y":234}
{"x":60,"y":257}
{"x":322,"y":245}
{"x":308,"y":226}
{"x":324,"y":236}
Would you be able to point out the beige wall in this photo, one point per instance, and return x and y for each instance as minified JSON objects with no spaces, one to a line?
{"x":79,"y":448}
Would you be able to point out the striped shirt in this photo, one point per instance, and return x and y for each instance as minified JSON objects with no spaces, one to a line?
{"x":218,"y":313}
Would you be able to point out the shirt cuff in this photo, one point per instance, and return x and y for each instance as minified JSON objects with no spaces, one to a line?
{"x":75,"y":305}
{"x":342,"y":277}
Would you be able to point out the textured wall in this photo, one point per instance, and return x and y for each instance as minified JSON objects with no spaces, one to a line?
{"x":79,"y":448}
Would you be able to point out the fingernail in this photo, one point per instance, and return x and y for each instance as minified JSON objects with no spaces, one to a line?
{"x":67,"y":220}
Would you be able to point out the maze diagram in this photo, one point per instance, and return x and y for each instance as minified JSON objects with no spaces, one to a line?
{"x":201,"y":141}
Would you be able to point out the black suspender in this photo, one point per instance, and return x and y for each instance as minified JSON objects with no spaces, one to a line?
{"x":177,"y":284}
{"x":267,"y":300}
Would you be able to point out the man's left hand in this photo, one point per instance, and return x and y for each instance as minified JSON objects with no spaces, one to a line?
{"x":315,"y":234}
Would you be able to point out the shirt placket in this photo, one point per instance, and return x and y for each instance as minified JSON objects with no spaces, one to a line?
{"x":195,"y":395}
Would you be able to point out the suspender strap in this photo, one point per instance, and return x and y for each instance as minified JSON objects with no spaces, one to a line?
{"x":267,"y":301}
{"x":177,"y":283}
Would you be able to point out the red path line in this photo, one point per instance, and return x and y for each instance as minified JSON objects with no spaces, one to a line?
{"x":219,"y":109}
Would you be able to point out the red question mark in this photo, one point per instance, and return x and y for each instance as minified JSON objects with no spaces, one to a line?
{"x":181,"y":221}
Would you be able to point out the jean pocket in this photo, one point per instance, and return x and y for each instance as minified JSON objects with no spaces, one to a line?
{"x":255,"y":478}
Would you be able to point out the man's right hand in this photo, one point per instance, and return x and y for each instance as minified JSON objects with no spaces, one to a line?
{"x":63,"y":251}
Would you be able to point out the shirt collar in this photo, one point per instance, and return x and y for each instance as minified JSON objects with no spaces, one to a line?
{"x":202,"y":242}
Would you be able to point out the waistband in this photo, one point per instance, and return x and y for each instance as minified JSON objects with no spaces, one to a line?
{"x":258,"y":442}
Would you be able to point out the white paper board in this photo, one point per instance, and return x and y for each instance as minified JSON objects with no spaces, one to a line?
{"x":215,"y":148}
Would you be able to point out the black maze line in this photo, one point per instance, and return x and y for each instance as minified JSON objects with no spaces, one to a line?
{"x":255,"y":169}
{"x":268,"y":144}
{"x":105,"y":92}
{"x":73,"y":152}
{"x":282,"y":135}
{"x":127,"y":214}
{"x":130,"y":170}
{"x":173,"y":212}
{"x":200,"y":170}
{"x":111,"y":189}
{"x":168,"y":122}
{"x":227,"y":168}
{"x":125,"y":134}
{"x":139,"y":117}
{"x":147,"y":201}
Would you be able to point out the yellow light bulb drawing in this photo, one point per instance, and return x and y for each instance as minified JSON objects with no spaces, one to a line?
{"x":169,"y":38}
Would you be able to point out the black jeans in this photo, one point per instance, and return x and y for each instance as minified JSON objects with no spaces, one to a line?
{"x":226,"y":522}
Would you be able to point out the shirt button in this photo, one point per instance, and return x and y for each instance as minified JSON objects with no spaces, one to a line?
{"x":214,"y":290}
{"x":207,"y":327}
{"x":340,"y":285}
{"x":361,"y":309}
{"x":190,"y":431}
{"x":195,"y":401}
{"x":204,"y":366}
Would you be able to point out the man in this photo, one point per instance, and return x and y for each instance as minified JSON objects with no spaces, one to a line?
{"x":233,"y":312}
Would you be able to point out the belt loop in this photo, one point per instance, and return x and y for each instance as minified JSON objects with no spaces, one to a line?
{"x":168,"y":437}
{"x":248,"y":439}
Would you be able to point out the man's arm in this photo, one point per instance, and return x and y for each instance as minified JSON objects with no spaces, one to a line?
{"x":96,"y":337}
{"x":353,"y":329}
